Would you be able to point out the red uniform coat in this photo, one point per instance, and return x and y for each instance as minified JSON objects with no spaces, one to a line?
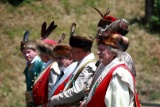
{"x":40,"y":88}
{"x":98,"y":98}
{"x":61,"y":87}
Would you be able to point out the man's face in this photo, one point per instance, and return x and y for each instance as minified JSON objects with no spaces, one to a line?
{"x":29,"y":54}
{"x":44,"y":57}
{"x":75,"y":53}
{"x":104,"y":53}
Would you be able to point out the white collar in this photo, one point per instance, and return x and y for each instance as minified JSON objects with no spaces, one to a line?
{"x":34,"y":59}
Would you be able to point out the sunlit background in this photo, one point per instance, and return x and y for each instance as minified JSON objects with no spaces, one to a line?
{"x":16,"y":16}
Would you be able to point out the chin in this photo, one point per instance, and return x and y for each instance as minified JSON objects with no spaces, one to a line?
{"x":29,"y":60}
{"x":101,"y":60}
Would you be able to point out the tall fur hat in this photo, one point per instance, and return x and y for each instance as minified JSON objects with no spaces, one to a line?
{"x":45,"y":45}
{"x":27,"y":44}
{"x":114,"y":40}
{"x":107,"y":20}
{"x":79,"y":41}
{"x":112,"y":31}
{"x":62,"y":50}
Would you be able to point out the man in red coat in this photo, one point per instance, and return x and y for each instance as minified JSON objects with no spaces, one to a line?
{"x":49,"y":76}
{"x":113,"y":84}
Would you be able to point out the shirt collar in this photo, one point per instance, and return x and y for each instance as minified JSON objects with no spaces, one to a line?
{"x":34,"y":59}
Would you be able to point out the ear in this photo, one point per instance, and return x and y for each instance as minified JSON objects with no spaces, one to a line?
{"x":70,"y":60}
{"x":79,"y":50}
{"x":114,"y":54}
{"x":35,"y":50}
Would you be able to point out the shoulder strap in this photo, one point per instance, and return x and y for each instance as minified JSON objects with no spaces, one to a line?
{"x":78,"y":72}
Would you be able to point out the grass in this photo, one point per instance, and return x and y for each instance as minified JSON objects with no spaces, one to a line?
{"x":30,"y":14}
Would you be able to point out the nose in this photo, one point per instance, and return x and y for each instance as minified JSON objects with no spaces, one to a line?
{"x":98,"y":52}
{"x":58,"y":60}
{"x":27,"y":54}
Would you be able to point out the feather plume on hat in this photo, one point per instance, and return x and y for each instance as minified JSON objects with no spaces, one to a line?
{"x":73,"y":28}
{"x":45,"y":32}
{"x":27,"y":44}
{"x":117,"y":25}
{"x":107,"y":20}
{"x":45,"y":45}
{"x":62,"y":50}
{"x":62,"y":38}
{"x":79,"y":41}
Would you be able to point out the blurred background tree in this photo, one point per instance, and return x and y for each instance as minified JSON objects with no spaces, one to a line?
{"x":152,"y":16}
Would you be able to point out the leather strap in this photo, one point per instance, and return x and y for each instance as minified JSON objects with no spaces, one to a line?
{"x":78,"y":72}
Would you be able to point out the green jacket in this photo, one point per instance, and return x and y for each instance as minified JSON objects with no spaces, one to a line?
{"x":32,"y":71}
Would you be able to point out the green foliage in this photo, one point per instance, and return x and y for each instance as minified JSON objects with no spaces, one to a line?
{"x":91,"y":2}
{"x":15,"y":2}
{"x":155,"y":61}
{"x":10,"y":8}
{"x":28,"y":1}
{"x":155,"y":19}
{"x":66,"y":5}
{"x":147,"y":81}
{"x":11,"y":32}
{"x":155,"y":96}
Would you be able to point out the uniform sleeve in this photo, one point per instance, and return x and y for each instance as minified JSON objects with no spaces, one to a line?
{"x":117,"y":94}
{"x":77,"y":91}
{"x":42,"y":66}
{"x":39,"y":66}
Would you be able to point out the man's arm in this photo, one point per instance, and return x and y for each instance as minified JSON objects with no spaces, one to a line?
{"x":77,"y":91}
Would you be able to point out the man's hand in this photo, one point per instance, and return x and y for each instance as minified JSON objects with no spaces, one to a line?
{"x":82,"y":104}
